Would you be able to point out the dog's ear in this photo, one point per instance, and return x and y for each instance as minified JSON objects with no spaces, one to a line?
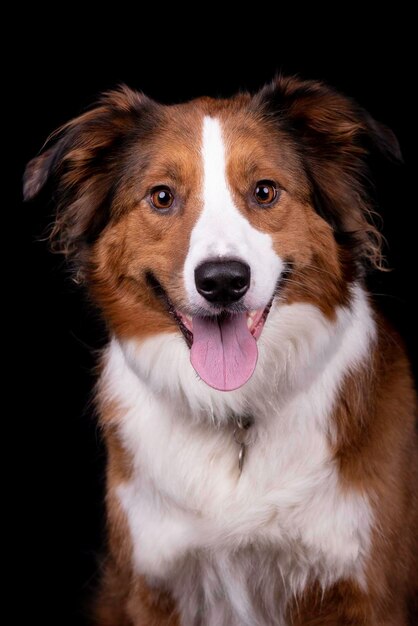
{"x":36,"y":174}
{"x":81,"y":160}
{"x":333,"y":137}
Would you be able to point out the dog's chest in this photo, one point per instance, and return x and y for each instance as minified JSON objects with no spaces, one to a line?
{"x":194,"y":518}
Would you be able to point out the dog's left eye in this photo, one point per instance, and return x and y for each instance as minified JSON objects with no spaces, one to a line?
{"x":162,"y":198}
{"x":265,"y":192}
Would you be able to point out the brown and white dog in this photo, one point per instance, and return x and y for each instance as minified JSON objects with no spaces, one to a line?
{"x":258,"y":412}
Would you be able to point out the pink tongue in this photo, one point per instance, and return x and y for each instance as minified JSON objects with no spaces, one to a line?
{"x":224,"y":353}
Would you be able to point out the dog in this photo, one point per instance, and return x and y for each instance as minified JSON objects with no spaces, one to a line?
{"x":258,"y":412}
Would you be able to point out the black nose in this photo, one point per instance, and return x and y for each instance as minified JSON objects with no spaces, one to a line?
{"x":222,"y":282}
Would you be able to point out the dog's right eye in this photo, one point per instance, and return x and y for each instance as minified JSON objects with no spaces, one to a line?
{"x":266,"y":192}
{"x":162,"y":198}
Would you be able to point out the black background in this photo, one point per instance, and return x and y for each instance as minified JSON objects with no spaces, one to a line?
{"x":62,"y":492}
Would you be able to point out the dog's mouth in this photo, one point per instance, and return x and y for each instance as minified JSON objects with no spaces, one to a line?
{"x":254,"y":321}
{"x":223,"y":347}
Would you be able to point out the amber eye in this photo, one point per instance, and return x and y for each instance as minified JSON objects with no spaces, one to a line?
{"x":265,"y":192}
{"x":161,"y":198}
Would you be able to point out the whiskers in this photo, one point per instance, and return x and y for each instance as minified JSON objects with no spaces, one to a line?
{"x":312,"y":281}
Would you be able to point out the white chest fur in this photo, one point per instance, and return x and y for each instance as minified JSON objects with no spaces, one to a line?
{"x":199,"y":526}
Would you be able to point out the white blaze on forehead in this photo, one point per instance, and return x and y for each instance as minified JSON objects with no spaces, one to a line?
{"x":215,"y":187}
{"x":223,"y":232}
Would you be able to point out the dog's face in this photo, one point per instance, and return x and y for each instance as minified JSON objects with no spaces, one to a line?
{"x":195,"y":217}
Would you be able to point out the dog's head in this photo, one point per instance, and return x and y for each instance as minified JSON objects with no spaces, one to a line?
{"x":195,"y":217}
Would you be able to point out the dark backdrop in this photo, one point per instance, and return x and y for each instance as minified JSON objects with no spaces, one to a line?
{"x":63,"y":492}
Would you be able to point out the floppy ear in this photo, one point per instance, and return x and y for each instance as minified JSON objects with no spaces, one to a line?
{"x":82,"y":160}
{"x":333,"y":136}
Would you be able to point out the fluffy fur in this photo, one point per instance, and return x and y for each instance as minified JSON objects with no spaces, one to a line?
{"x":319,"y":528}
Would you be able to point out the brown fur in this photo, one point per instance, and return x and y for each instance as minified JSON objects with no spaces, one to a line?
{"x":376,"y":450}
{"x":342,"y":605}
{"x":314,"y":142}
